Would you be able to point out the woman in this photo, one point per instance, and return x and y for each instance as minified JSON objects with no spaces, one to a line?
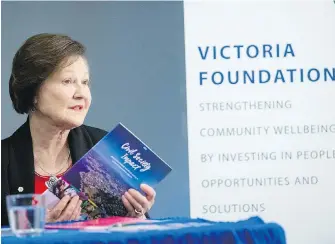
{"x":50,"y":83}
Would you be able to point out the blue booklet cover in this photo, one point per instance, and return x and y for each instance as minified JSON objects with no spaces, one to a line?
{"x":118,"y":162}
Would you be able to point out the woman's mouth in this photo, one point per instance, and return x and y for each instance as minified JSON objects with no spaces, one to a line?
{"x":77,"y":107}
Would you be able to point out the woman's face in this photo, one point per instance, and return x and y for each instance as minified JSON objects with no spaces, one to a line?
{"x":65,"y":97}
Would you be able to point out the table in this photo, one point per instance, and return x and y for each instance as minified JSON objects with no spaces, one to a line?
{"x":174,"y":230}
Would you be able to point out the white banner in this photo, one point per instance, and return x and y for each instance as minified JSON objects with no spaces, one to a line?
{"x":261,"y":116}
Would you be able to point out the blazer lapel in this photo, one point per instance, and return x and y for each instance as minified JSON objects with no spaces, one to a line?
{"x":23,"y":166}
{"x":80,"y":143}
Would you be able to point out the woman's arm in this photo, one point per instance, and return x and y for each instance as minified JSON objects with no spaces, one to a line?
{"x":4,"y":181}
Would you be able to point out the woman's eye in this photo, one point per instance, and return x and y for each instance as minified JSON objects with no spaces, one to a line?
{"x":67,"y":81}
{"x":86,"y":82}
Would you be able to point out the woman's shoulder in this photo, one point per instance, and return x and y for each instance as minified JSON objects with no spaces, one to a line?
{"x":5,"y":142}
{"x":4,"y":150}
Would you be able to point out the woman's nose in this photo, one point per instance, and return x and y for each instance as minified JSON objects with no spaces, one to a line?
{"x":79,"y":93}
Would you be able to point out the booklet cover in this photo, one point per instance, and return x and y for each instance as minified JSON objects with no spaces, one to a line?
{"x":118,"y":162}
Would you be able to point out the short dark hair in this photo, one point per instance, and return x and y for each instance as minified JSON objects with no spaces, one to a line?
{"x":38,"y":57}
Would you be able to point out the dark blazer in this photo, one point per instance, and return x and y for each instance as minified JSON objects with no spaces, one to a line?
{"x":17,"y":163}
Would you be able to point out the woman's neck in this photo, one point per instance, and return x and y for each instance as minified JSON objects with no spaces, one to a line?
{"x":50,"y":146}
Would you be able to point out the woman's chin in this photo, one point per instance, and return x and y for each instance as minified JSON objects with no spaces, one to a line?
{"x":71,"y":124}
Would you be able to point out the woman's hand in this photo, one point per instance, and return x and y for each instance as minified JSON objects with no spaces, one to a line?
{"x":66,"y":209}
{"x":137,"y":204}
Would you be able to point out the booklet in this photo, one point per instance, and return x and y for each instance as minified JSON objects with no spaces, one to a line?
{"x":118,"y":162}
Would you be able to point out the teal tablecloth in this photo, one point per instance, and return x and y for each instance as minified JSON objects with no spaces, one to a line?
{"x":180,"y":230}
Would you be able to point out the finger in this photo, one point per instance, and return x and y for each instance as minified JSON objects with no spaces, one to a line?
{"x":76,"y":211}
{"x":136,"y":205}
{"x":78,"y":214}
{"x":139,"y":198}
{"x":56,"y":212}
{"x":48,"y":217}
{"x":67,"y":213}
{"x":149,"y":191}
{"x":127,"y":204}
